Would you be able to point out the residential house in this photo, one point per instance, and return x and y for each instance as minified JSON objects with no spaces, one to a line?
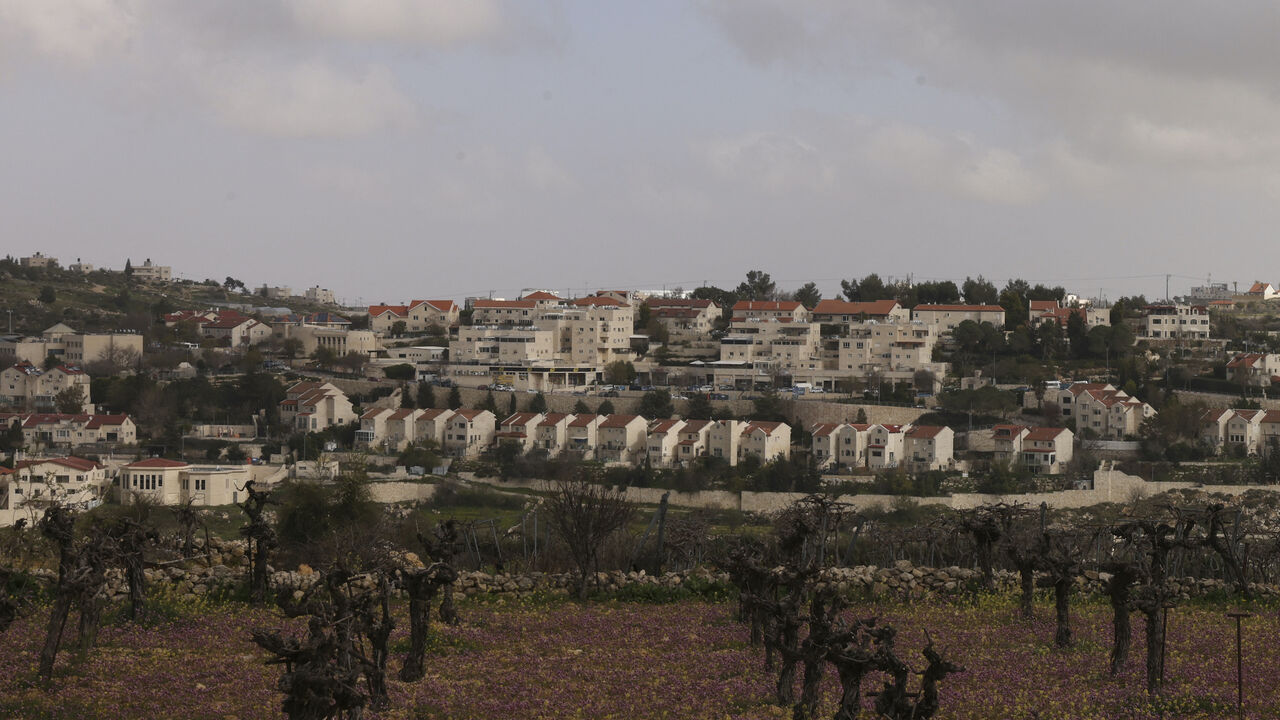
{"x":431,"y":426}
{"x":886,"y":446}
{"x":583,"y":434}
{"x":825,"y":446}
{"x":1262,"y":291}
{"x":552,"y":434}
{"x":621,"y":438}
{"x":685,"y":319}
{"x":664,"y":438}
{"x":1008,"y":441}
{"x":469,"y":432}
{"x":693,"y":438}
{"x":1111,"y":414}
{"x":1047,"y":450}
{"x":173,"y":482}
{"x":519,"y":429}
{"x":314,"y":406}
{"x":25,"y":386}
{"x":1254,"y":369}
{"x":1213,"y":428}
{"x":776,"y":310}
{"x":765,"y":441}
{"x":52,"y":430}
{"x":81,"y":267}
{"x":852,"y":444}
{"x":74,"y":482}
{"x":929,"y":447}
{"x":1244,"y":430}
{"x":38,"y":260}
{"x":70,"y":347}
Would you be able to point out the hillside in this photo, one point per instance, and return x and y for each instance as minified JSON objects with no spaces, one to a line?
{"x":107,"y":300}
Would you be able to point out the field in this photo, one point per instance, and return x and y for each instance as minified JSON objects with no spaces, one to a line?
{"x":689,"y":659}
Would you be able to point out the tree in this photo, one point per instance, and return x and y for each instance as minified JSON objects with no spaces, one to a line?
{"x":583,"y":515}
{"x":324,"y":356}
{"x":700,"y":407}
{"x":47,"y":295}
{"x":426,"y":396}
{"x":580,"y":408}
{"x":1016,"y":313}
{"x":656,"y":404}
{"x":128,"y":270}
{"x":619,"y":372}
{"x":869,"y":289}
{"x":51,"y":361}
{"x":538,"y":404}
{"x":489,"y":403}
{"x":354,"y":362}
{"x":290,"y":348}
{"x":455,"y":398}
{"x":70,"y":400}
{"x":606,"y":408}
{"x":511,"y":404}
{"x":231,"y":284}
{"x":979,"y":291}
{"x":407,"y":400}
{"x":398,"y":327}
{"x":808,"y":295}
{"x":758,"y":286}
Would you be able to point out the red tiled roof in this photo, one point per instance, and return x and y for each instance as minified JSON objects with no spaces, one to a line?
{"x":397,"y":310}
{"x":876,"y":308}
{"x":401,"y":414}
{"x":1259,"y":288}
{"x":1244,"y":360}
{"x":925,"y":431}
{"x":825,"y":429}
{"x":1044,"y":433}
{"x":159,"y":463}
{"x":370,"y":414}
{"x":540,"y":295}
{"x":1272,"y":416}
{"x":663,"y":426}
{"x":1213,"y":415}
{"x":74,"y":463}
{"x":1043,"y":305}
{"x":618,"y":421}
{"x":693,"y":426}
{"x":599,"y":301}
{"x":767,"y":305}
{"x":585,"y":419}
{"x":675,"y":312}
{"x":441,"y":305}
{"x":551,"y":419}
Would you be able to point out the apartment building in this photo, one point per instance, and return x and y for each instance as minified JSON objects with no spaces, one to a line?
{"x":1253,"y":432}
{"x":24,"y":386}
{"x":583,"y":435}
{"x":340,"y":340}
{"x":765,"y":441}
{"x":1007,"y":441}
{"x":387,"y":429}
{"x":693,"y":437}
{"x":777,"y":310}
{"x":1111,"y":414}
{"x":69,"y":346}
{"x":896,"y":350}
{"x":947,"y":317}
{"x":1176,"y":322}
{"x":886,"y":446}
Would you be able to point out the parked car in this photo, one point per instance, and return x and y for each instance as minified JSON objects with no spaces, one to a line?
{"x":719,"y":396}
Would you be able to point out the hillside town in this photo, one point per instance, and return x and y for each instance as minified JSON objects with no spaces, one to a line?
{"x":1023,"y":389}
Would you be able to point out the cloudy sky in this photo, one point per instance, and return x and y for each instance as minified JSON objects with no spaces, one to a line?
{"x":395,"y":149}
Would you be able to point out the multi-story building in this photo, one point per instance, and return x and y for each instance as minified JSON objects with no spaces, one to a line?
{"x":664,"y":437}
{"x":1111,"y":414}
{"x":81,"y":267}
{"x":1176,"y":322}
{"x":317,"y":294}
{"x":552,"y":434}
{"x":621,"y":439}
{"x":777,"y":310}
{"x":173,"y":482}
{"x":341,"y":341}
{"x":841,"y":314}
{"x":583,"y":434}
{"x":29,"y":488}
{"x":1007,"y":441}
{"x":693,"y":438}
{"x":1047,"y":450}
{"x":520,"y":430}
{"x":147,"y":272}
{"x":886,"y":446}
{"x":71,"y":347}
{"x":313,"y":406}
{"x":1254,"y":369}
{"x":929,"y":447}
{"x":417,"y":316}
{"x":57,"y":430}
{"x":765,"y":441}
{"x":26,"y":387}
{"x":947,"y":317}
{"x":685,"y":319}
{"x":1253,"y":432}
{"x":469,"y":432}
{"x":38,"y":260}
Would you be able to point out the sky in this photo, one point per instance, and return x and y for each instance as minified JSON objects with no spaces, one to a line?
{"x":399,"y":149}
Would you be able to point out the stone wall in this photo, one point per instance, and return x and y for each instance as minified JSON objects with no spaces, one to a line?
{"x":1109,"y":486}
